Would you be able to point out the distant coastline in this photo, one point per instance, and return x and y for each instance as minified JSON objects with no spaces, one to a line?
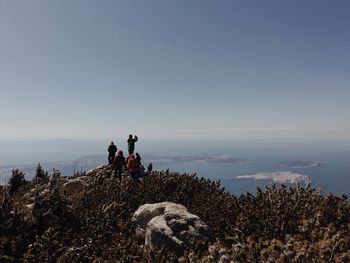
{"x":301,"y":164}
{"x":69,"y":167}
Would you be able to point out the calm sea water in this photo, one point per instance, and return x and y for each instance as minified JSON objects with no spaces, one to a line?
{"x":262,"y":157}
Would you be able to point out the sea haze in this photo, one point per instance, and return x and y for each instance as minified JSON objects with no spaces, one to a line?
{"x":240,"y":166}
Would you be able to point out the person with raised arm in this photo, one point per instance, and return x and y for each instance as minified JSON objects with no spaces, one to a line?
{"x":131,"y":143}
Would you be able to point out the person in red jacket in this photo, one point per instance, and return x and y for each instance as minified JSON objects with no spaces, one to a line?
{"x":133,"y":166}
{"x":118,"y":164}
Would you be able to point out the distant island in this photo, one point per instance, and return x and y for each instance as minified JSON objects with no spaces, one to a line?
{"x":215,"y":158}
{"x":284,"y":177}
{"x":301,"y":164}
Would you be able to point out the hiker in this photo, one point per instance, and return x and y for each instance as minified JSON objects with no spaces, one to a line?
{"x":150,"y":167}
{"x":133,"y":167}
{"x":138,"y":158}
{"x":118,"y":164}
{"x":131,"y":144}
{"x":112,"y":149}
{"x":141,"y":171}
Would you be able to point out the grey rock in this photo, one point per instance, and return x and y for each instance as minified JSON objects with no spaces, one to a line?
{"x":168,"y":224}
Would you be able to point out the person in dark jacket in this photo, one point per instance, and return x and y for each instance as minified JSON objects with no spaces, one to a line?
{"x":112,"y":149}
{"x":118,"y":164}
{"x":131,"y":144}
{"x":138,"y":158}
{"x":150,"y":167}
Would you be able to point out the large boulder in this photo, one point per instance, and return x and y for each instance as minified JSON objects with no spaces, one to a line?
{"x":75,"y":186}
{"x":168,"y":225}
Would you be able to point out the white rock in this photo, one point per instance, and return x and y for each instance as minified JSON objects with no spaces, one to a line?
{"x":168,"y":224}
{"x":146,"y":212}
{"x":159,"y":234}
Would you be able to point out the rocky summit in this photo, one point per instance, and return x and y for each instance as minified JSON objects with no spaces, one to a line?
{"x":168,"y":217}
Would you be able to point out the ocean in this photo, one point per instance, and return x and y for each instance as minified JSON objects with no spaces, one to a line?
{"x":331,"y":175}
{"x":258,"y":163}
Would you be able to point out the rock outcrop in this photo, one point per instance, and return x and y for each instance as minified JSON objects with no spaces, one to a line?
{"x":75,"y":186}
{"x":168,"y":225}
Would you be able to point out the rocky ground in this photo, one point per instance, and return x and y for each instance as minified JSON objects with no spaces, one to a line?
{"x":89,"y":218}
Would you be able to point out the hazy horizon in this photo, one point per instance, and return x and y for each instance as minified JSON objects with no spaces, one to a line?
{"x":71,"y":148}
{"x":240,"y":165}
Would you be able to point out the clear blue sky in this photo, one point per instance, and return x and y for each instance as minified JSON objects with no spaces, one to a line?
{"x":174,"y":69}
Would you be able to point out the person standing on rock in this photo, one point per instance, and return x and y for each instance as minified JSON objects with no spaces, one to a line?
{"x":112,"y":149}
{"x":118,"y":164}
{"x":131,"y":144}
{"x":133,"y":166}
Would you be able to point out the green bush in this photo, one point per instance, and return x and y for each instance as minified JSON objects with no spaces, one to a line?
{"x":17,"y":180}
{"x":40,"y":174}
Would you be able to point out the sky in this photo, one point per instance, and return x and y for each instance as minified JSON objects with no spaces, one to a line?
{"x":174,"y":70}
